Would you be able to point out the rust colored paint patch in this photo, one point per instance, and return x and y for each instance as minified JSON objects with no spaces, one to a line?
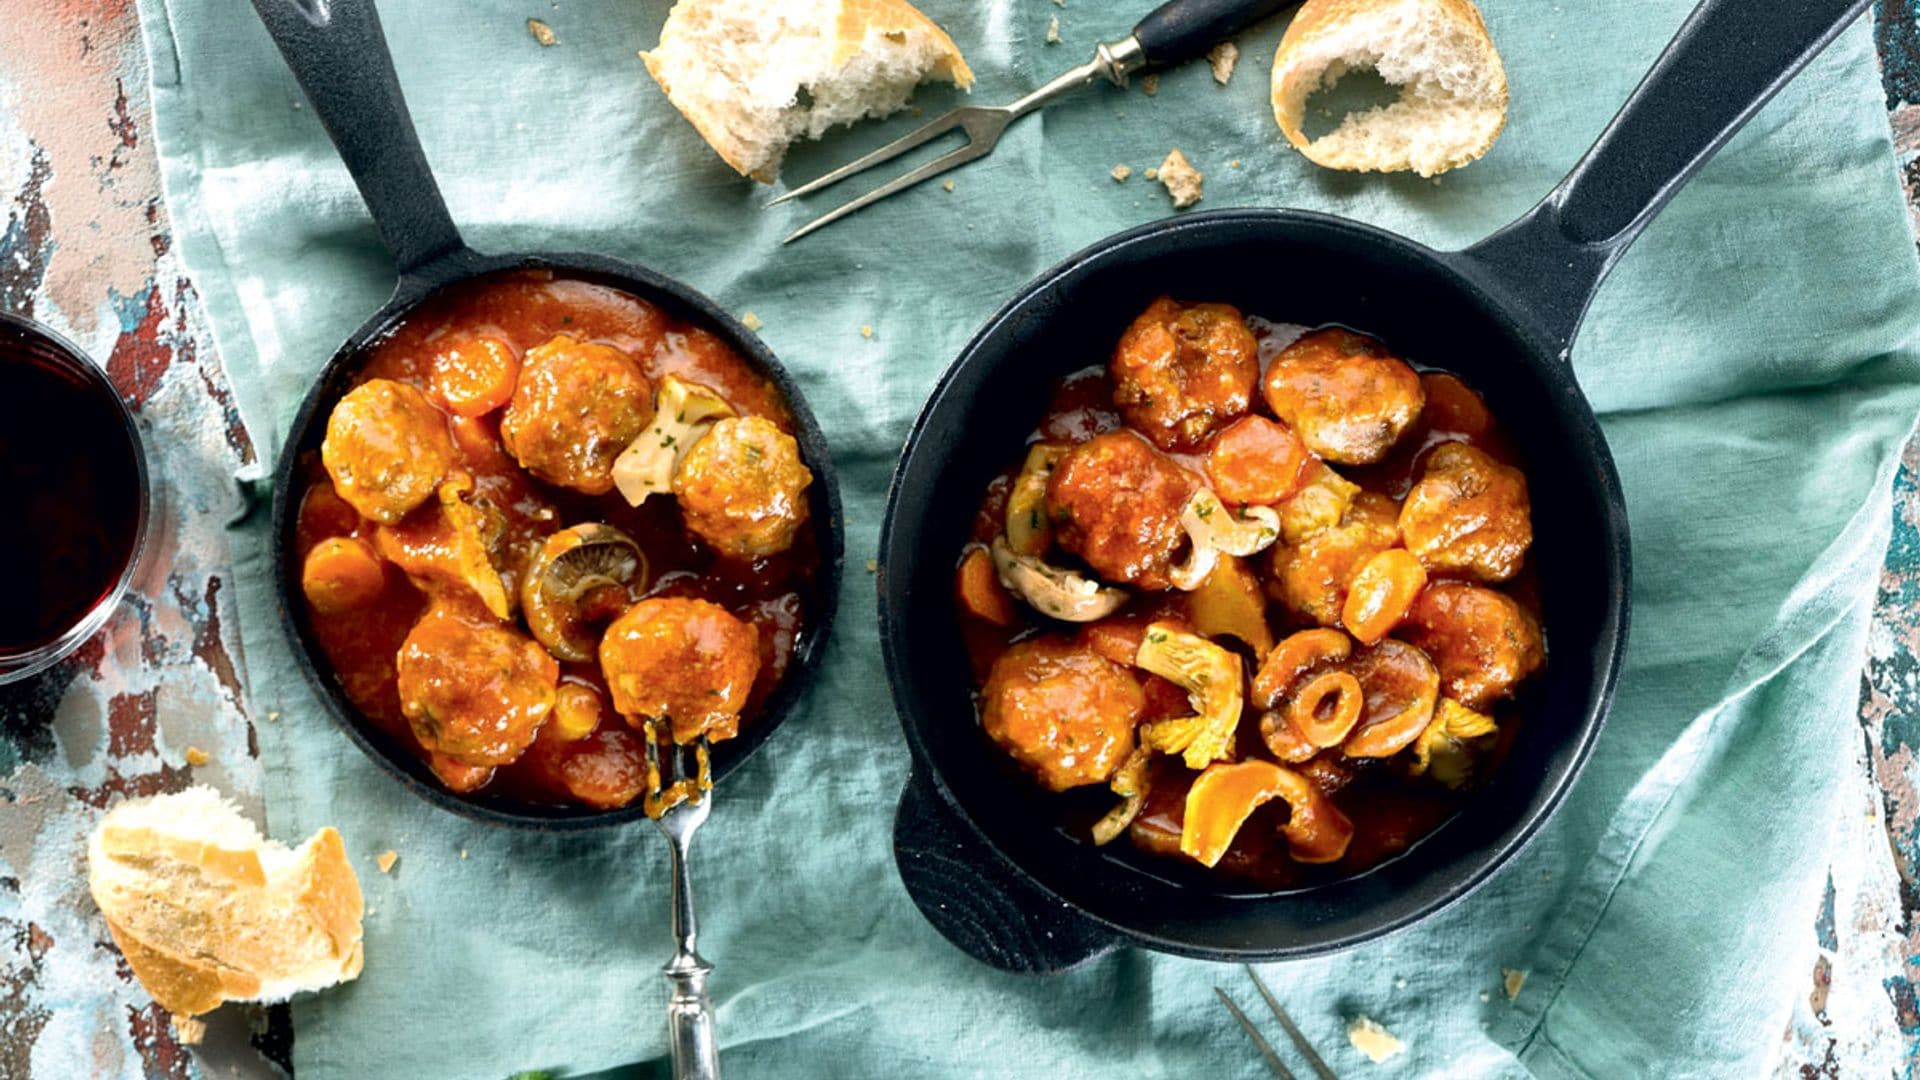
{"x":142,"y":355}
{"x":130,"y":724}
{"x":161,"y":1055}
{"x":21,"y":1017}
{"x":169,"y":778}
{"x":208,"y":645}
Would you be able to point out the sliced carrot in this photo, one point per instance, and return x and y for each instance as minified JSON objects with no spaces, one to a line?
{"x":980,"y":592}
{"x":475,"y":376}
{"x":1256,"y":461}
{"x":1380,"y":593}
{"x":1218,"y":804}
{"x":1453,"y":408}
{"x":341,"y":574}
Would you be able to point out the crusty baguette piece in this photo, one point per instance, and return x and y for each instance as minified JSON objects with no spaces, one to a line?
{"x":206,"y":910}
{"x":1453,"y":96}
{"x":753,"y":76}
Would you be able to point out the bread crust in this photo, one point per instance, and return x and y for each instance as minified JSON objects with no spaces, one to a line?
{"x":855,"y":20}
{"x":1295,"y":79}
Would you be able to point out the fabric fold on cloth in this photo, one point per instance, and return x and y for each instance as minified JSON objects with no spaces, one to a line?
{"x":1753,"y":360}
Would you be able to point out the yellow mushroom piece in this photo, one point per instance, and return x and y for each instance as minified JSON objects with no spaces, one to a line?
{"x":1029,"y":532}
{"x":1215,"y":686}
{"x":683,"y":413}
{"x":1441,"y":748}
{"x":1057,"y":593}
{"x":1130,"y":783}
{"x":580,"y":578}
{"x":1220,"y":801}
{"x":1215,"y":531}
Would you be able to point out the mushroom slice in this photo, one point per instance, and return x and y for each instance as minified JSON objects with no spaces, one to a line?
{"x":1217,"y":531}
{"x":1319,"y":505}
{"x":683,"y":413}
{"x":581,"y":575}
{"x":1029,"y":532}
{"x":1442,"y":747}
{"x":1061,"y":594}
{"x":1214,"y":683}
{"x":1130,"y":783}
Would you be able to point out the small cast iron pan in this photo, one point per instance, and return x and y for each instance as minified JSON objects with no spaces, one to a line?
{"x":339,"y":54}
{"x":976,"y":845}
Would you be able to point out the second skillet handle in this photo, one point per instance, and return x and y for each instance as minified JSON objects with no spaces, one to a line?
{"x":1729,"y":59}
{"x":339,"y":54}
{"x":1180,"y":30}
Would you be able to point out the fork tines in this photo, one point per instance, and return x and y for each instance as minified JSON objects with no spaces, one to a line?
{"x":982,"y":127}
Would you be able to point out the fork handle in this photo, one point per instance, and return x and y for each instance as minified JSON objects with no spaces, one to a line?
{"x":1180,"y":30}
{"x":696,"y":1051}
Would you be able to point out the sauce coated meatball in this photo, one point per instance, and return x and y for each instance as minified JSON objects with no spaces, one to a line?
{"x":1311,"y":577}
{"x":1064,"y":712}
{"x":1468,"y":513}
{"x":743,"y":488}
{"x":1344,"y":394}
{"x":1116,"y":502}
{"x":1482,"y":641}
{"x":1183,"y":371}
{"x":386,"y":448}
{"x":688,"y":662}
{"x":575,"y":407}
{"x":474,"y":690}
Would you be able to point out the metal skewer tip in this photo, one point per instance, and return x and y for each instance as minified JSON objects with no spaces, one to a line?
{"x":1259,"y":1041}
{"x":1300,"y":1042}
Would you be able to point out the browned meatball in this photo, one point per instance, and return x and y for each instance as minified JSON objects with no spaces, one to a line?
{"x":1062,"y":711}
{"x":743,"y":488}
{"x":1468,"y":513}
{"x":574,"y":408}
{"x":386,"y":448}
{"x":1117,"y":501}
{"x":1311,"y":577}
{"x":1183,"y":371}
{"x":1483,"y":642}
{"x":1344,"y":394}
{"x":474,"y":690}
{"x":688,"y":662}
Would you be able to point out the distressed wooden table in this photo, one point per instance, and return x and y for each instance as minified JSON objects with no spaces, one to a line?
{"x":85,"y":248}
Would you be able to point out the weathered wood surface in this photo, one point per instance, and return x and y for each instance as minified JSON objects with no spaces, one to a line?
{"x":84,"y":246}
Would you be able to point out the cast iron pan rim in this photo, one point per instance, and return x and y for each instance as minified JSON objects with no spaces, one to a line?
{"x":1611,"y":634}
{"x":679,"y":300}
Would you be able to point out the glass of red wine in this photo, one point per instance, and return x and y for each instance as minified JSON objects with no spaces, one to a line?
{"x":73,"y":498}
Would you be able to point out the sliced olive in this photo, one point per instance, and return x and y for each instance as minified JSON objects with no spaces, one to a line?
{"x":580,"y":578}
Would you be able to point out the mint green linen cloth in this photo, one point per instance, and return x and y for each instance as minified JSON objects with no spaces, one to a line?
{"x":1753,"y":360}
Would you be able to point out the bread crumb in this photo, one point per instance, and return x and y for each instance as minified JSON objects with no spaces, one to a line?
{"x":866,"y":330}
{"x":1053,"y":31}
{"x":197,"y":756}
{"x":1059,"y":3}
{"x":386,"y":860}
{"x":1234,"y":164}
{"x":1368,"y":1037}
{"x":751,"y":322}
{"x":1514,"y":981}
{"x":1400,"y":984}
{"x":463,"y":853}
{"x":1150,"y":84}
{"x":1221,"y":59}
{"x":1151,"y":174}
{"x":273,"y":717}
{"x":1120,"y":173}
{"x":1484,"y":996}
{"x":1182,"y":180}
{"x":188,"y":1031}
{"x":948,"y":185}
{"x":873,"y":566}
{"x":541,"y":32}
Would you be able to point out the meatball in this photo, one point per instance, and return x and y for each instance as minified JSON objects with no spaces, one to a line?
{"x":1348,"y":399}
{"x":1311,"y":577}
{"x":688,"y":662}
{"x":1116,"y":502}
{"x":474,"y":690}
{"x":1483,"y":642}
{"x":575,"y":407}
{"x":1062,"y":711}
{"x":743,"y":488}
{"x":1183,"y":371}
{"x":1468,"y":513}
{"x":386,"y":448}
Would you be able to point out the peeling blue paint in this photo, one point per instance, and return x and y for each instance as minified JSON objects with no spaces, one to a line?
{"x":130,"y":310}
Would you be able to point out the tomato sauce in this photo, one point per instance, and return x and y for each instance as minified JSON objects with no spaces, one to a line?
{"x":526,"y":309}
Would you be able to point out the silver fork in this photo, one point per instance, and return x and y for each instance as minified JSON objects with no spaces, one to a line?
{"x":696,"y":1051}
{"x":1175,"y":32}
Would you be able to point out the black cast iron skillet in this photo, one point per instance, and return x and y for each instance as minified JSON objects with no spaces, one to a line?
{"x":978,"y":846}
{"x":339,"y":55}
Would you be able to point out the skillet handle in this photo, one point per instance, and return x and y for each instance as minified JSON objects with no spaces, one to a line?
{"x":1727,"y":60}
{"x":1179,"y":30}
{"x":339,"y":55}
{"x":977,"y":900}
